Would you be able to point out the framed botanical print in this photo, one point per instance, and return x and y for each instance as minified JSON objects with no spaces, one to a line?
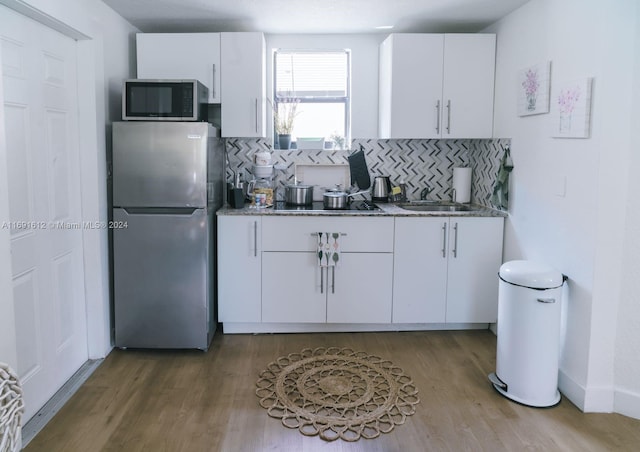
{"x":533,"y":89}
{"x":571,"y":109}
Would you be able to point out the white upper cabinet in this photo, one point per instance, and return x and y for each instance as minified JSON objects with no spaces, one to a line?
{"x":181,"y":56}
{"x":467,"y":91}
{"x":243,"y":84}
{"x":436,"y":86}
{"x":410,"y":85}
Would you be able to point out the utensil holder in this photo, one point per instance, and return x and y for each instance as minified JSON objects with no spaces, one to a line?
{"x":236,"y":198}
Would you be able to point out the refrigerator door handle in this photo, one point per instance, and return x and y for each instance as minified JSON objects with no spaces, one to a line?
{"x":160,"y":210}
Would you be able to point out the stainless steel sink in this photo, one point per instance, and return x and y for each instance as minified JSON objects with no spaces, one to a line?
{"x":434,"y":207}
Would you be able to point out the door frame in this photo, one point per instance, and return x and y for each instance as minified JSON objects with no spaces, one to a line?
{"x":92,"y":118}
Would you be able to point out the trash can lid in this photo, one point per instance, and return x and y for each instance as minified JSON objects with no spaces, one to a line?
{"x":535,"y":275}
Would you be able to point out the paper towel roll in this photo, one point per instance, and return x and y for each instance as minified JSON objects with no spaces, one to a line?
{"x":462,"y":184}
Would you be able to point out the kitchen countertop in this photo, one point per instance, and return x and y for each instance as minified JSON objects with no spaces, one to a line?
{"x":386,"y":209}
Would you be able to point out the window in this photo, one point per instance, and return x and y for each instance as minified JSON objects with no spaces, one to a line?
{"x":316,"y":85}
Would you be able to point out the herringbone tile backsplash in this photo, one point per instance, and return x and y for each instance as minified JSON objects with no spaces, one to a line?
{"x":416,"y":162}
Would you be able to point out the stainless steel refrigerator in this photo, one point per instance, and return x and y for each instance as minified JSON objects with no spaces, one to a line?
{"x":167,"y":185}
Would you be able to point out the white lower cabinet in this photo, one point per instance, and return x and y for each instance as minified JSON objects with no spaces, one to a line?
{"x":296,"y":289}
{"x":291,"y":288}
{"x":420,"y":270}
{"x":239,"y":268}
{"x":360,"y":290}
{"x":475,"y":256}
{"x":445,"y":269}
{"x":407,"y":270}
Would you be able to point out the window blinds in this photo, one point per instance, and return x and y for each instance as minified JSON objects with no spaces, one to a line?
{"x":309,"y":74}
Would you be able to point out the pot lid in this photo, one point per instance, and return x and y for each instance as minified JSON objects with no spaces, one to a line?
{"x":335,"y":194}
{"x":298,"y":186}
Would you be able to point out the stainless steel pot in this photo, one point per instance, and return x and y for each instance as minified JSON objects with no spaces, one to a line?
{"x":298,"y":195}
{"x":334,"y":200}
{"x":338,"y":199}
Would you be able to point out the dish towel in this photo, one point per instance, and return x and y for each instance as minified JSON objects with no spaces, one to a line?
{"x":328,"y":249}
{"x":500,"y":197}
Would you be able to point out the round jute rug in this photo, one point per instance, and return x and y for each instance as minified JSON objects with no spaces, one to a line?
{"x":337,"y":393}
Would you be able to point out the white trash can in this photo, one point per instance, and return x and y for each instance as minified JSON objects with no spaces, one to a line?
{"x":528,"y":349}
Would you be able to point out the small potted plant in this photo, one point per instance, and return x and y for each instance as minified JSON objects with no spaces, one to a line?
{"x":284,"y":114}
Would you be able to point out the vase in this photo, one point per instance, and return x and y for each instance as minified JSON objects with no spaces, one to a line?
{"x":565,"y":123}
{"x":284,"y":141}
{"x":531,"y":102}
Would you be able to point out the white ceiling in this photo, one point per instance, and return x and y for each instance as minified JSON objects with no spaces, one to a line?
{"x":313,"y":16}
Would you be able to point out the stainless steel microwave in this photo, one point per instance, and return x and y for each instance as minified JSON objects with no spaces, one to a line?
{"x":164,"y":100}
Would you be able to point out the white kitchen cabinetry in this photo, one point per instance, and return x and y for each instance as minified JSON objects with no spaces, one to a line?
{"x":475,"y":256}
{"x":445,"y":269}
{"x":239,"y":268}
{"x":243,"y":84}
{"x":436,"y":85}
{"x":181,"y":56}
{"x":420,"y":270}
{"x":296,"y":289}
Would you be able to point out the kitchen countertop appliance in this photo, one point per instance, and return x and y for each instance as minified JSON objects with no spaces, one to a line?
{"x":167,"y":185}
{"x":381,"y":189}
{"x":360,"y":205}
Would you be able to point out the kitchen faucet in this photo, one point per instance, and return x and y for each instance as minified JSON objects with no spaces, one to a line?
{"x":425,"y":192}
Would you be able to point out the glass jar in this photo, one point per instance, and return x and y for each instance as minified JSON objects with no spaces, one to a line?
{"x":262,"y":192}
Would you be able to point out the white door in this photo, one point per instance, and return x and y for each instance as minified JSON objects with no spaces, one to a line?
{"x":40,"y":92}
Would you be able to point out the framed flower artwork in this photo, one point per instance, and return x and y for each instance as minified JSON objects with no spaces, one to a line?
{"x":533,"y":89}
{"x":571,"y":109}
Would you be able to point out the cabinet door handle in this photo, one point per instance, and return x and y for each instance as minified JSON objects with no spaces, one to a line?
{"x":449,"y":116}
{"x":256,"y":115}
{"x":455,"y":240}
{"x":444,"y":239}
{"x":333,"y":279}
{"x":255,"y":239}
{"x":213,"y":81}
{"x":438,"y":117}
{"x":321,"y":280}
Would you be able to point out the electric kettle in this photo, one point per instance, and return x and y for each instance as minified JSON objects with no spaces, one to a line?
{"x":381,"y":189}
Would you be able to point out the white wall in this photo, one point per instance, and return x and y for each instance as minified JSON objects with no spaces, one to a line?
{"x":564,"y":191}
{"x":104,"y":59}
{"x":627,"y":347}
{"x":364,"y":72}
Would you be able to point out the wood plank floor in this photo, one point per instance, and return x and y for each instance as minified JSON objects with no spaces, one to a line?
{"x":194,"y":401}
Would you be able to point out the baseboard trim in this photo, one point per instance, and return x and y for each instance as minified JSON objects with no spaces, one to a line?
{"x":46,"y":413}
{"x":573,"y":391}
{"x":599,"y":400}
{"x":256,"y":328}
{"x":627,"y":403}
